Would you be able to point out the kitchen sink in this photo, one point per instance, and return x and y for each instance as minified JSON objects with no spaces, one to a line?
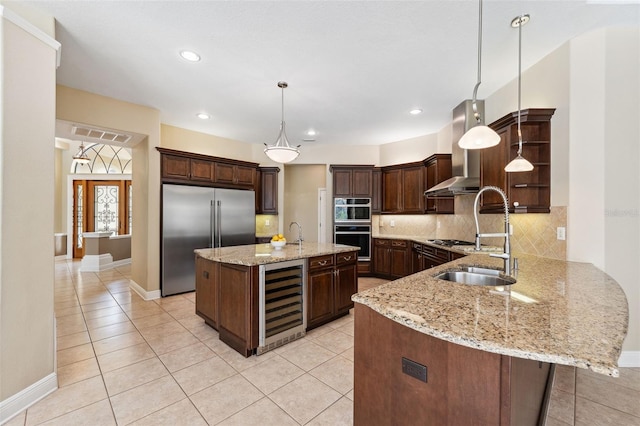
{"x":477,"y":276}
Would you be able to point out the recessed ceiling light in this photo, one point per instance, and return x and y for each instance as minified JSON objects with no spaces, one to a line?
{"x":311,"y":132}
{"x":190,"y":55}
{"x":415,"y":111}
{"x":203,"y":116}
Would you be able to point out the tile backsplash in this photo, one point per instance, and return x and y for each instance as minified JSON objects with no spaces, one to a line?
{"x":533,"y":233}
{"x":266,"y":224}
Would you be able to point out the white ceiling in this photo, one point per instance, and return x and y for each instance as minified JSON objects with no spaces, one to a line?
{"x":354,"y":68}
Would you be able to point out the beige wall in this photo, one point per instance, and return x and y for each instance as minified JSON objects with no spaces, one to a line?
{"x":201,"y":143}
{"x":604,"y":201}
{"x":301,"y":199}
{"x":87,"y":108}
{"x":27,"y":123}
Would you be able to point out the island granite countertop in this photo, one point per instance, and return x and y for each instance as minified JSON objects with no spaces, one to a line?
{"x":558,"y":312}
{"x":261,"y":254}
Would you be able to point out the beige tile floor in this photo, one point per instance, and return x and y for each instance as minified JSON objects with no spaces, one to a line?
{"x":122,"y":360}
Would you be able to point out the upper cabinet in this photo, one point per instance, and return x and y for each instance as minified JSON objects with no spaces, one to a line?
{"x":376,"y":188}
{"x":403,"y":189}
{"x":267,"y":191}
{"x":198,"y":169}
{"x":437,"y":170}
{"x":527,"y":192}
{"x":352,"y":181}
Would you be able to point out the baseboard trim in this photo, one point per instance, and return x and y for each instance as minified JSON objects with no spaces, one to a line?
{"x":629,"y":359}
{"x":24,"y":399}
{"x":146,"y":295}
{"x":102,"y":262}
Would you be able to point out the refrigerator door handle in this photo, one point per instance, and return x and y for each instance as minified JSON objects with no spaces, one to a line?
{"x":219,"y":222}
{"x":212,"y":224}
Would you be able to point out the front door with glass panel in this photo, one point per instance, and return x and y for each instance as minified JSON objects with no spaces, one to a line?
{"x":100,"y":206}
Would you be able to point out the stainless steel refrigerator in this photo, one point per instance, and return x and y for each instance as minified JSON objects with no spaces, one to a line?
{"x":196,"y":217}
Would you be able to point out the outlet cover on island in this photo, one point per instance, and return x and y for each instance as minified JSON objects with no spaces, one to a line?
{"x":392,"y":223}
{"x":561,"y":233}
{"x":267,"y":222}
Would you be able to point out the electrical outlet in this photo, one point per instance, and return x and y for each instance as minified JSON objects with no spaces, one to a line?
{"x":267,"y":222}
{"x":561,"y":233}
{"x":392,"y":223}
{"x":438,"y":225}
{"x":510,"y":229}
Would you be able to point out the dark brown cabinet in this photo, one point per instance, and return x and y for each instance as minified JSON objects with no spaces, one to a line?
{"x":376,"y":190}
{"x":352,"y":181}
{"x":391,"y":258}
{"x":267,"y":190}
{"x":437,"y":170}
{"x":235,"y":174}
{"x":207,"y":291}
{"x":198,"y":169}
{"x":463,"y":385}
{"x":332,"y":280}
{"x":187,"y":169}
{"x":403,"y":189}
{"x":238,"y":293}
{"x":527,"y":192}
{"x":424,"y":256}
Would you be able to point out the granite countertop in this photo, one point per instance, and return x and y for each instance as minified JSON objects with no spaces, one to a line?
{"x":261,"y":254}
{"x":559,"y":312}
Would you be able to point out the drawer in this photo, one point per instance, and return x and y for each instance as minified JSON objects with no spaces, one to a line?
{"x":350,"y":257}
{"x":379,"y":242}
{"x":321,"y":261}
{"x":436,"y":252}
{"x":416,"y":246}
{"x":399,"y":243}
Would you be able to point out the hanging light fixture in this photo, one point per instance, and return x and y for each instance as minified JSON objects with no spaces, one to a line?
{"x":281,"y":151}
{"x":479,"y":136}
{"x":81,"y":156}
{"x":519,"y":164}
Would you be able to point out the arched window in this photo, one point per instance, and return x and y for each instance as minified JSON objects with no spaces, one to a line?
{"x":103,"y":159}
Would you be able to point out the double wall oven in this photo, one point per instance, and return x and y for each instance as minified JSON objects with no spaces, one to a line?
{"x":352,"y":224}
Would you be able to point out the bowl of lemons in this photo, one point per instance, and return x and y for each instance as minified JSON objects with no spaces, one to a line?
{"x":278,"y":241}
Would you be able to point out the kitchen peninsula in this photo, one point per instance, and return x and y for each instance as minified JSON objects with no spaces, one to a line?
{"x":259,"y":297}
{"x":448,"y":353}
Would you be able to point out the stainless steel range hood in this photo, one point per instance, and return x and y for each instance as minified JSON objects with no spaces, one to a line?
{"x":465,"y":163}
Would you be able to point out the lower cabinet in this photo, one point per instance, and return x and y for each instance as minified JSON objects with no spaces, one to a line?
{"x":332,"y":280}
{"x":428,"y":381}
{"x":207,"y":291}
{"x":391,"y":258}
{"x":239,"y":301}
{"x":424,"y":256}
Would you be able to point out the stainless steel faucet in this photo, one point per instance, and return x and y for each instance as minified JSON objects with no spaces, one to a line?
{"x":506,"y":256}
{"x":299,"y":240}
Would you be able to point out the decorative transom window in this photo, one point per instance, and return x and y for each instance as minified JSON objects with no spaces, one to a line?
{"x":105,"y":159}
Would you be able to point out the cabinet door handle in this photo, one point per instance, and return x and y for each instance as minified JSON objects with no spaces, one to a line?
{"x":322,"y":262}
{"x":347,"y":258}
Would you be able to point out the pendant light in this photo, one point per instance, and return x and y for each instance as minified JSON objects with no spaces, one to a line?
{"x":519,"y":164}
{"x":81,"y":156}
{"x":281,"y":151}
{"x":479,"y":136}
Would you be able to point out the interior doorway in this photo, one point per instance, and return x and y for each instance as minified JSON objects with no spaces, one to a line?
{"x":100,"y":205}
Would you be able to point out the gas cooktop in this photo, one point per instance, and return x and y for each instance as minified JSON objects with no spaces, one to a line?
{"x":451,"y":243}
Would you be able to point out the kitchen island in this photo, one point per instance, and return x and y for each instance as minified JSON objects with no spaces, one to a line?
{"x":449,"y":353}
{"x":259,"y":297}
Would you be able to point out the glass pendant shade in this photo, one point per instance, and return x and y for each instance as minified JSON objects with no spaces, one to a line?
{"x":479,"y":137}
{"x":81,"y":156}
{"x":519,"y":164}
{"x":281,"y":151}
